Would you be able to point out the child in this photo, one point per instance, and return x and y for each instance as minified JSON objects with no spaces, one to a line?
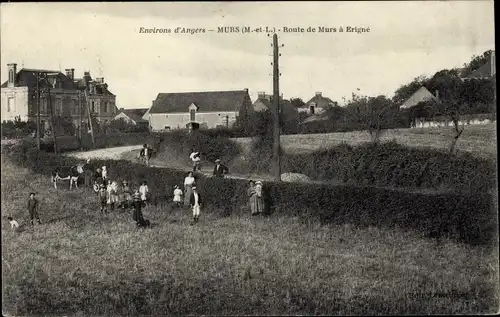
{"x":13,"y":223}
{"x":177,"y":196}
{"x":144,"y":191}
{"x":55,"y":177}
{"x":126,"y":195}
{"x":33,"y":208}
{"x":103,"y":198}
{"x":195,"y":201}
{"x":104,"y":173}
{"x":112,"y":190}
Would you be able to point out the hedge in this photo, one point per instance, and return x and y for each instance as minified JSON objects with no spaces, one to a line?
{"x":468,"y":218}
{"x":385,"y":164}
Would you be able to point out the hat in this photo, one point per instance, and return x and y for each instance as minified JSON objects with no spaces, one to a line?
{"x":102,"y":186}
{"x":217,"y":160}
{"x":176,"y":186}
{"x":32,"y":193}
{"x":125,"y":181}
{"x":194,"y":187}
{"x":258,"y":183}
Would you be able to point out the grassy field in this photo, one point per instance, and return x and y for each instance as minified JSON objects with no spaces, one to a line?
{"x":80,"y":262}
{"x":479,"y":139}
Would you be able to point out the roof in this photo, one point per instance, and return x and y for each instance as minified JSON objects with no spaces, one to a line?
{"x":316,"y":117}
{"x":321,"y":101}
{"x":485,"y":71}
{"x":209,"y":101}
{"x":135,"y":114}
{"x":27,"y":78}
{"x":262,"y":104}
{"x":419,"y":96}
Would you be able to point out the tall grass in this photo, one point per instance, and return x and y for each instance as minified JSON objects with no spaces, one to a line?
{"x":85,"y":263}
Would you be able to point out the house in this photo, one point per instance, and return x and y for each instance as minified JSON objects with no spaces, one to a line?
{"x":487,"y":71}
{"x":211,"y":109}
{"x":421,"y":95}
{"x":316,"y":104}
{"x":133,"y":116}
{"x":66,"y":93}
{"x":289,"y":114}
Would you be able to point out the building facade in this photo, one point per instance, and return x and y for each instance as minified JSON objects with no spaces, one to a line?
{"x":61,"y":93}
{"x":214,"y":109}
{"x":317,"y":104}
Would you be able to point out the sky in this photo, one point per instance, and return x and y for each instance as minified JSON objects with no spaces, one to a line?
{"x":406,"y":39}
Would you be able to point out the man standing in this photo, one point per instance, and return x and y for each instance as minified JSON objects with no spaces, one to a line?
{"x":195,"y":157}
{"x":195,"y":201}
{"x":87,"y":172}
{"x":146,"y":154}
{"x":33,"y":209}
{"x":219,"y":169}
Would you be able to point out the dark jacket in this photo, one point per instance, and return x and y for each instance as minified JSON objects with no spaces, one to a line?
{"x":191,"y":199}
{"x":220,"y":170}
{"x":149,"y":152}
{"x":32,"y":204}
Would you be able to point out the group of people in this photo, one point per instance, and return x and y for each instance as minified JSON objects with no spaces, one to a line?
{"x":113,"y":194}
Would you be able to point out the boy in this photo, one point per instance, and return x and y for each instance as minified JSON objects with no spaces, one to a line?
{"x":33,"y":208}
{"x":195,"y":201}
{"x":103,"y":198}
{"x":13,"y":223}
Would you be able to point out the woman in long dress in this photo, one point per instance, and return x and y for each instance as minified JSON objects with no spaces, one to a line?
{"x":252,"y":197}
{"x":188,"y":188}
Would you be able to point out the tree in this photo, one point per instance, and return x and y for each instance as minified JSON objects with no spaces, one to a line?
{"x":64,"y":126}
{"x":373,"y":114}
{"x":297,"y":102}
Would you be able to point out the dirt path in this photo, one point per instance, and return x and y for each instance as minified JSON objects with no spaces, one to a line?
{"x":114,"y":153}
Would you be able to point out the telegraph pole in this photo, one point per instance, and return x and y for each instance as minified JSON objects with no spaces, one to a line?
{"x":276,"y":110}
{"x":54,"y":137}
{"x":90,"y":119}
{"x":38,"y":110}
{"x":80,"y":107}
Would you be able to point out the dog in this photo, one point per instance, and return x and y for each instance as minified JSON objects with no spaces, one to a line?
{"x":13,"y":223}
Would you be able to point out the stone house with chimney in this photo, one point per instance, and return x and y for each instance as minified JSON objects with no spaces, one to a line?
{"x":208,"y":110}
{"x":316,"y":104}
{"x":66,"y":93}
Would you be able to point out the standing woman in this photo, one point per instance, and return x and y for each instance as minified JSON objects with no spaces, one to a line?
{"x":252,"y":197}
{"x":188,"y":188}
{"x":260,"y":197}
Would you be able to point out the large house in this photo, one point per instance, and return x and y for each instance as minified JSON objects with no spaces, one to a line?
{"x":18,"y":96}
{"x":289,"y":114}
{"x":316,"y":104}
{"x":133,"y":116}
{"x":211,"y":109}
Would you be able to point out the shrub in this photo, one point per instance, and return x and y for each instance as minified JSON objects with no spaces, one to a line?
{"x":469,"y":218}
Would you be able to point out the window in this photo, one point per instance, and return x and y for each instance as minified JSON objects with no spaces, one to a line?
{"x":192,"y":115}
{"x":93,"y":107}
{"x":10,"y":104}
{"x":105,"y":107}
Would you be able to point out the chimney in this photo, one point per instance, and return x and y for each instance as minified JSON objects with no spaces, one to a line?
{"x":70,"y":73}
{"x":12,"y":74}
{"x":492,"y":63}
{"x":121,"y":109}
{"x":261,"y":95}
{"x":318,"y":94}
{"x":245,"y":89}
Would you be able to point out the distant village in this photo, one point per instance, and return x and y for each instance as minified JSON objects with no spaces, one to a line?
{"x":78,"y":99}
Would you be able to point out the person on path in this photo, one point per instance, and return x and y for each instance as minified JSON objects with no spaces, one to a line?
{"x":219,"y":169}
{"x":260,"y":197}
{"x":195,"y":158}
{"x":252,"y":197}
{"x":33,"y":209}
{"x":189,"y":182}
{"x":177,"y":196}
{"x":146,"y":154}
{"x":195,"y":202}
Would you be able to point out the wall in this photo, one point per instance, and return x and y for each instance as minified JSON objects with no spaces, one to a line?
{"x":20,"y":107}
{"x":179,"y":120}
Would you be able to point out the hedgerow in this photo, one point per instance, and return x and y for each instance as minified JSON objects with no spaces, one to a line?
{"x":469,"y":218}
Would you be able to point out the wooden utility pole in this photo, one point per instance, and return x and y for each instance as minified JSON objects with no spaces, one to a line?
{"x":52,"y":121}
{"x":276,"y":110}
{"x":90,"y":119}
{"x":80,"y":108}
{"x":38,"y":110}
